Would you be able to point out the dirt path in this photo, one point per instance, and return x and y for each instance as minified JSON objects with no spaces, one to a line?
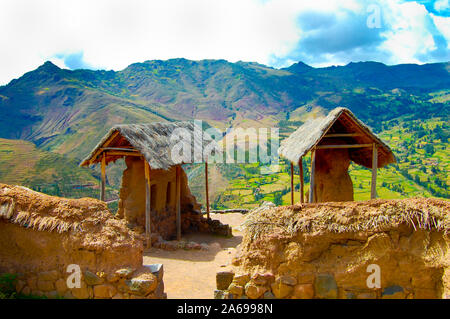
{"x":190,"y":274}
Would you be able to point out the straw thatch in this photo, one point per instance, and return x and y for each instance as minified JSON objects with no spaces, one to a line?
{"x":339,"y":120}
{"x":30,"y":209}
{"x":338,"y":217}
{"x":154,"y":142}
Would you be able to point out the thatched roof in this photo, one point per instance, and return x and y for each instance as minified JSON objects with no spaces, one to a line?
{"x":338,"y":217}
{"x":340,"y":120}
{"x":152,"y":141}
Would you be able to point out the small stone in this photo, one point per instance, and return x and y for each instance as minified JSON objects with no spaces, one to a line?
{"x":235,"y":289}
{"x":48,"y":275}
{"x":118,"y":296}
{"x":224,"y":279}
{"x":325,"y":286}
{"x":126,"y":273}
{"x":204,"y":246}
{"x":143,"y":284}
{"x":253,"y":291}
{"x":61,"y":286}
{"x":241,"y":279}
{"x":259,"y":279}
{"x":104,"y":291}
{"x":45,"y":285}
{"x":92,"y":279}
{"x":281,"y":290}
{"x":288,"y":280}
{"x":304,"y":291}
{"x":82,"y":292}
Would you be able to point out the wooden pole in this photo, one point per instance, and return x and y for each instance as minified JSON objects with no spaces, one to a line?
{"x":178,"y":196}
{"x":292,"y":183}
{"x":313,"y":173}
{"x":103,"y":186}
{"x":206,"y":189}
{"x":148,"y":201}
{"x":373,"y":192}
{"x":300,"y":166}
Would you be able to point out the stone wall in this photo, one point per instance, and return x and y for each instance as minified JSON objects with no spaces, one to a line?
{"x":163,"y":198}
{"x":329,"y":262}
{"x":41,"y":235}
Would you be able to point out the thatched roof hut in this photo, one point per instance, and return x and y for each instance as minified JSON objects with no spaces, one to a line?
{"x":341,"y":121}
{"x":339,"y":132}
{"x":154,"y":179}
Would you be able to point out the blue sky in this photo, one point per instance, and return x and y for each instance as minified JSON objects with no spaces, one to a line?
{"x":111,"y":34}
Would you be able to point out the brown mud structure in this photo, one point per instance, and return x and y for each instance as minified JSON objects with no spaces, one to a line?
{"x":329,"y":250}
{"x":41,"y":235}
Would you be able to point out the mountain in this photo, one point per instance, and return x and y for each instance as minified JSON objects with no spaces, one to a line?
{"x":67,"y":111}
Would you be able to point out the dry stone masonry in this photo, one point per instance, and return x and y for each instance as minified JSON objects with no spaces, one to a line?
{"x":325,"y":250}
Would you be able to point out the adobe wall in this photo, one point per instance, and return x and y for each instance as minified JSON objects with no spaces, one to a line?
{"x":163,"y":213}
{"x":41,"y":235}
{"x":326,"y":259}
{"x":332,"y":180}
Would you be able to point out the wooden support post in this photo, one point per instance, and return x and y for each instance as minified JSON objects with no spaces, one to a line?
{"x":312,"y":177}
{"x":300,"y":166}
{"x":178,"y":198}
{"x":373,"y":192}
{"x":148,"y":201}
{"x":206,"y":189}
{"x":103,"y":186}
{"x":292,"y":183}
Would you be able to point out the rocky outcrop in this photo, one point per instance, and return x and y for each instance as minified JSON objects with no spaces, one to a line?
{"x":336,"y":250}
{"x":42,"y":237}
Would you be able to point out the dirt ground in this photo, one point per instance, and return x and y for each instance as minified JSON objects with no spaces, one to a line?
{"x":191,"y":274}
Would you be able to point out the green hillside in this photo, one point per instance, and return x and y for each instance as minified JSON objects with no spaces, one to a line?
{"x":60,"y":115}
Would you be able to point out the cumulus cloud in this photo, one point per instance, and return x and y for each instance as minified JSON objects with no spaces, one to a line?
{"x":111,"y":34}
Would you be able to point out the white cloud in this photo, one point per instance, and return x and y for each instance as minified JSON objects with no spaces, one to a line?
{"x":441,"y":5}
{"x":112,"y":34}
{"x":407,"y":35}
